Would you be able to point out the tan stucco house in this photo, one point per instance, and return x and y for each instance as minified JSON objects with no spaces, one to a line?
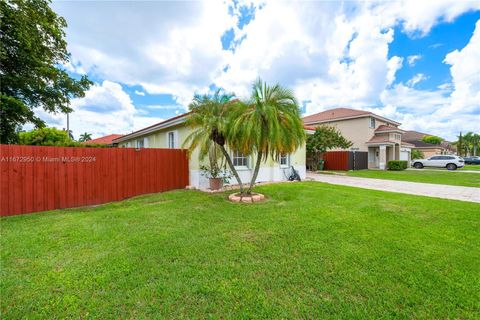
{"x":379,"y":136}
{"x":172,"y":133}
{"x":428,"y":149}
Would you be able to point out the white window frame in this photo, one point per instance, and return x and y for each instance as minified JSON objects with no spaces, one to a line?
{"x":174,"y":135}
{"x":238,"y":155}
{"x":287,"y":162}
{"x":372,"y":122}
{"x":140,"y":143}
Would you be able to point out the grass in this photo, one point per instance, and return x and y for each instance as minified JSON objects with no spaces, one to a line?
{"x":475,"y":167}
{"x":454,"y":178}
{"x":312,"y":250}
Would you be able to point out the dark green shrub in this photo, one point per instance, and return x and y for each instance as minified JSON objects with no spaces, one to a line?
{"x":397,"y":165}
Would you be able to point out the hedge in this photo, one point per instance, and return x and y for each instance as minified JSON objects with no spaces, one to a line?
{"x":397,"y":165}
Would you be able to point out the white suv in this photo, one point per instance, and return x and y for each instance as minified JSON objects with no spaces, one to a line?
{"x":449,"y":162}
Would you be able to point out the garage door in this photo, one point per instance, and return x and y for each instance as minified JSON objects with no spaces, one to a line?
{"x":404,"y":155}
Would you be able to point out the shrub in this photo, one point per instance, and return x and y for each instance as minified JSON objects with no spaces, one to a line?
{"x":53,"y":137}
{"x":417,"y":154}
{"x":397,"y":165}
{"x":44,"y":137}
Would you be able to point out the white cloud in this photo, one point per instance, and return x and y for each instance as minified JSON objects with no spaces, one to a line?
{"x":413,"y":59}
{"x":450,"y":109}
{"x":331,"y":54}
{"x":163,"y":107}
{"x":173,"y":46}
{"x":106,"y":109}
{"x":419,"y":77}
{"x":465,"y":71}
{"x":139,"y":93}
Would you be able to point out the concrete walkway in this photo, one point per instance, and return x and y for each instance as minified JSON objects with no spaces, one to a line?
{"x":470,"y":194}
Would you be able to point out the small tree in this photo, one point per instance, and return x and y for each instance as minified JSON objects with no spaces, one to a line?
{"x":209,"y":123}
{"x":324,"y":139}
{"x":432,"y":139}
{"x":267,"y":125}
{"x":417,"y":154}
{"x":459,"y":144}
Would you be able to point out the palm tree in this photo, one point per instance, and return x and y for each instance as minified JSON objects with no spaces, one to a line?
{"x":476,"y":143}
{"x":472,"y":140}
{"x":209,"y":122}
{"x":268,"y":124}
{"x":85,"y":137}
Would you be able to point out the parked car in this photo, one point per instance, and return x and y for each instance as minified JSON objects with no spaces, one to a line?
{"x":440,"y":161}
{"x":472,"y":160}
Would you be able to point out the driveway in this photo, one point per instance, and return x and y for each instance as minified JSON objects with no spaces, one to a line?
{"x":470,"y":194}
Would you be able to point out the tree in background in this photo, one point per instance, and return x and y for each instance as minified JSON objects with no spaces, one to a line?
{"x":470,"y":143}
{"x":85,"y":137}
{"x":267,"y":125}
{"x":417,"y":154}
{"x":324,"y":139}
{"x":32,"y":48}
{"x":432,"y":139}
{"x":52,"y":137}
{"x":459,"y":145}
{"x":45,"y":137}
{"x":476,"y":143}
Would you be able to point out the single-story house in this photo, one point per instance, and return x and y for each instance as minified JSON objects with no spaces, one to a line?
{"x":379,"y":136}
{"x":108,"y":140}
{"x":172,"y":133}
{"x":428,"y":149}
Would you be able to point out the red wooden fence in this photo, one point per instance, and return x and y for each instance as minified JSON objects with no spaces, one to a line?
{"x":46,"y":178}
{"x":336,"y":160}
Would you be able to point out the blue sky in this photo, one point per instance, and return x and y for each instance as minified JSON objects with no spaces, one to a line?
{"x":414,"y":62}
{"x":442,"y":39}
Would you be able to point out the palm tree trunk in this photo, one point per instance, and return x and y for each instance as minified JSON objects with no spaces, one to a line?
{"x":232,"y":167}
{"x":255,"y":172}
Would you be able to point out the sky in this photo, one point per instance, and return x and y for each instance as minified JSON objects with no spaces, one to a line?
{"x":416,"y":62}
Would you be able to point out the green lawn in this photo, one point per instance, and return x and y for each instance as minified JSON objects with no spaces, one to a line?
{"x":475,"y":167}
{"x":454,"y":178}
{"x":312,"y":250}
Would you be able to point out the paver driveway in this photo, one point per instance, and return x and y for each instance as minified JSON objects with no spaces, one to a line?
{"x":422,"y":189}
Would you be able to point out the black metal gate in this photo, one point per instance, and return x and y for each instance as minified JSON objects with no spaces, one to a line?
{"x":357,"y":160}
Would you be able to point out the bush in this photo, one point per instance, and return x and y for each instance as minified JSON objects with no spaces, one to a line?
{"x":417,"y":154}
{"x":397,"y":165}
{"x":52,"y":137}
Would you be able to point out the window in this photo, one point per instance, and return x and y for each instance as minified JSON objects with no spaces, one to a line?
{"x":372,"y":122}
{"x":284,"y":160}
{"x":140,"y":143}
{"x":171,"y":140}
{"x":239,"y":159}
{"x":436,"y":158}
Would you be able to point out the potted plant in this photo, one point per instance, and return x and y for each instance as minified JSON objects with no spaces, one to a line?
{"x":216,"y":175}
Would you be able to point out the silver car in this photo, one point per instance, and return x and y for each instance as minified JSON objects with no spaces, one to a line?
{"x":440,"y":161}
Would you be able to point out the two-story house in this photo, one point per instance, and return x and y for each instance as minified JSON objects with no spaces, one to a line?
{"x":369,"y":132}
